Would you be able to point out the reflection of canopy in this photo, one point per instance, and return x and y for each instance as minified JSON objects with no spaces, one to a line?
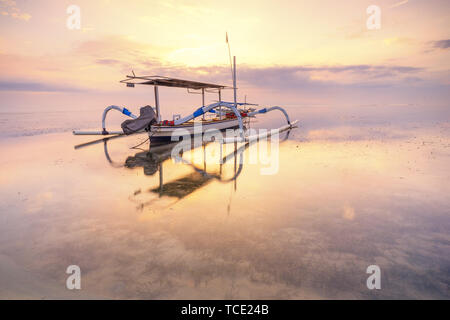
{"x":170,"y":82}
{"x":184,"y":186}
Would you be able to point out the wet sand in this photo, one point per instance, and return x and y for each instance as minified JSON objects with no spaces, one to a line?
{"x":343,"y":199}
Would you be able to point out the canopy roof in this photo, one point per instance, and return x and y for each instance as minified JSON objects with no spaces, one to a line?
{"x":170,"y":82}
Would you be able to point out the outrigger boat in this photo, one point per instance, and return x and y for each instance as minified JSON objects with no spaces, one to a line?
{"x":221,"y":115}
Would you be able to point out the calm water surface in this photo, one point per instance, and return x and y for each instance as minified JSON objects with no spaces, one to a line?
{"x":140,"y":225}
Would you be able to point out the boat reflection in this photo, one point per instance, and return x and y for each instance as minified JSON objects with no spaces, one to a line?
{"x":153,"y":158}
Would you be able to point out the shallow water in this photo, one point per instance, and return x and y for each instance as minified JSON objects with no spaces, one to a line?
{"x":343,"y":198}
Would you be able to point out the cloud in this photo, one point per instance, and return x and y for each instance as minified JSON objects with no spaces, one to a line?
{"x":121,"y":53}
{"x":398,"y":41}
{"x":30,"y":86}
{"x":398,"y":4}
{"x":110,"y":58}
{"x":441,"y":44}
{"x":321,"y":76}
{"x":438,"y":45}
{"x":297,"y":77}
{"x":9,"y":8}
{"x":108,"y":61}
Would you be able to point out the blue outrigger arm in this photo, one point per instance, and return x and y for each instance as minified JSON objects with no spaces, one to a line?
{"x":265,"y":110}
{"x":210,"y":108}
{"x":202,"y":110}
{"x":123,"y":110}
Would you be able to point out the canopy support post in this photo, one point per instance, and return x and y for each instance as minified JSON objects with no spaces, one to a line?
{"x":158,"y":113}
{"x":220,"y":108}
{"x":203,"y":101}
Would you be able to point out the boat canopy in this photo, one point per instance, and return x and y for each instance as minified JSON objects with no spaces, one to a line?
{"x":170,"y":82}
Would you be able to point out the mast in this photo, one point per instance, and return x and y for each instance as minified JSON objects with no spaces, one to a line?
{"x":234,"y":81}
{"x":233,"y":69}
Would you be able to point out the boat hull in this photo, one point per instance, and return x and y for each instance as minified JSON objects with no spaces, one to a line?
{"x":164,"y":134}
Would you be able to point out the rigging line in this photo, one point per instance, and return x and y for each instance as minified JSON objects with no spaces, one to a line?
{"x":140,"y":144}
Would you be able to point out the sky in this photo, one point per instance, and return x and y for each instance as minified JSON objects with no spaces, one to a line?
{"x":288,"y":52}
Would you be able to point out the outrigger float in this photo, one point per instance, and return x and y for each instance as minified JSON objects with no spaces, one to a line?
{"x":220,"y":115}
